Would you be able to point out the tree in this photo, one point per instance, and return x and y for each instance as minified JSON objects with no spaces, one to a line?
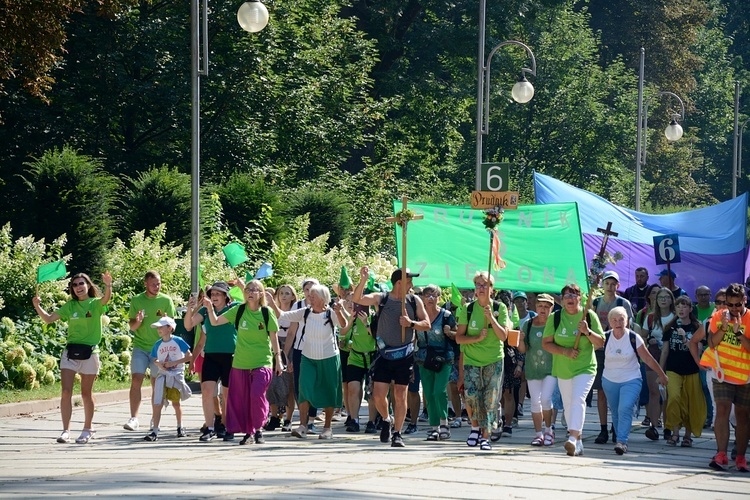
{"x":158,"y":196}
{"x":329,"y":213}
{"x":70,"y":193}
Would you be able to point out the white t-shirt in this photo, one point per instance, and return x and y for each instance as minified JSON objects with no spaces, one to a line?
{"x":320,"y":341}
{"x":656,"y":330}
{"x":620,"y":360}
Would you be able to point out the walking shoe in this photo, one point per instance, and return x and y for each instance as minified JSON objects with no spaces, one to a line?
{"x":385,"y":431}
{"x":411,"y":429}
{"x":464,"y":415}
{"x":602,"y":438}
{"x":208,"y":435}
{"x":652,"y":433}
{"x":354,"y":426}
{"x":151,"y":437}
{"x":579,"y":447}
{"x":221,"y":430}
{"x":451,"y":413}
{"x":570,"y":448}
{"x":741,"y":463}
{"x":228,"y":436}
{"x":131,"y":424}
{"x":203,"y":429}
{"x":519,"y":410}
{"x":423,"y":417}
{"x":507,"y":431}
{"x":300,"y":432}
{"x":272,"y":424}
{"x":311,"y":429}
{"x":258,"y":438}
{"x":621,"y":449}
{"x":667,"y":435}
{"x":378,"y":422}
{"x":720,"y":461}
{"x":370,"y":428}
{"x":246,"y":439}
{"x":181,"y":432}
{"x":456,"y":423}
{"x":397,"y":441}
{"x":326,"y":434}
{"x":348,"y":420}
{"x":85,"y":436}
{"x":64,"y":437}
{"x":287,"y":426}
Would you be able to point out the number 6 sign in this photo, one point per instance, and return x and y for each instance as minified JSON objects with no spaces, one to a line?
{"x":667,"y":248}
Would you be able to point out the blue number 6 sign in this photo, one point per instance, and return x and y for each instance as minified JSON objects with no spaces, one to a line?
{"x":667,"y":248}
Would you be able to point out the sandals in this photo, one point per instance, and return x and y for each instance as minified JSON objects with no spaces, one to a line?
{"x":672,"y":441}
{"x":473,"y":438}
{"x":444,"y":433}
{"x":549,"y":438}
{"x":433,"y":435}
{"x":64,"y":437}
{"x":85,"y":437}
{"x":687,"y":442}
{"x":496,"y":434}
{"x":537,"y":441}
{"x":485,"y":445}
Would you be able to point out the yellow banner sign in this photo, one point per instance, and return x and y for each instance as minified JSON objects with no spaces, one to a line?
{"x":491,"y":199}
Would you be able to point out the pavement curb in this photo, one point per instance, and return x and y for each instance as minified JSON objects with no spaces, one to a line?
{"x":42,"y":405}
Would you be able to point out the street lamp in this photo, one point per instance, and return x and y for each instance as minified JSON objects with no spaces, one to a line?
{"x":673,"y":132}
{"x":253,"y":17}
{"x":522,"y":91}
{"x":738,"y":131}
{"x":738,"y":168}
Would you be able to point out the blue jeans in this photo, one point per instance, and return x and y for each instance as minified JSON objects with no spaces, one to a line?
{"x":621,"y":398}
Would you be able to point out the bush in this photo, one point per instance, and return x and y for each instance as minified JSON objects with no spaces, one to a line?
{"x":329,"y":213}
{"x":72,"y":194}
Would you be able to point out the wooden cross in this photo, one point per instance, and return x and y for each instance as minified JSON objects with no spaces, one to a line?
{"x":607,"y":232}
{"x":402,"y":218}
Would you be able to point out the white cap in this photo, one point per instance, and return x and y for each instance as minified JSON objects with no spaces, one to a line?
{"x":164,"y":321}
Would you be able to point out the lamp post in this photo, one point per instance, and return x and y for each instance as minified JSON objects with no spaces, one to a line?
{"x":252,"y":16}
{"x":673,"y":132}
{"x":522,"y":91}
{"x":738,"y":131}
{"x":738,"y":168}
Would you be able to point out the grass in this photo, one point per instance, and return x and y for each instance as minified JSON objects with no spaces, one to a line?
{"x":53,"y":391}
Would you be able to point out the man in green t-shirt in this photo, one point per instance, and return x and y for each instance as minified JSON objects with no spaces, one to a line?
{"x":145,"y":308}
{"x":703,"y":305}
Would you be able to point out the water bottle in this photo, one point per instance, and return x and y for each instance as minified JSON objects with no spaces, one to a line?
{"x":381,"y":344}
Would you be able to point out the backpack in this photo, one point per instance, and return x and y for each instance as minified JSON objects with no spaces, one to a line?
{"x":410,"y":299}
{"x":328,"y":321}
{"x":632,"y":342}
{"x":557,"y":317}
{"x":241,"y":310}
{"x":470,"y":309}
{"x":619,"y":302}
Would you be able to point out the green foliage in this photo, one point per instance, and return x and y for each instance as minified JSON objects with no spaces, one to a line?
{"x":328,"y":212}
{"x":157,"y":196}
{"x":19,"y":260}
{"x":71,"y":193}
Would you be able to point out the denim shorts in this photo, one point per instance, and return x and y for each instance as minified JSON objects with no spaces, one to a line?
{"x":140,"y":361}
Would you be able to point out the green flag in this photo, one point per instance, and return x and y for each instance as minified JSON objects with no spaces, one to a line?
{"x":235,"y":254}
{"x":371,"y":282}
{"x":248,"y":276}
{"x":344,"y":280}
{"x":455,"y":295}
{"x":236,"y":293}
{"x":542,"y":246}
{"x":50,"y":272}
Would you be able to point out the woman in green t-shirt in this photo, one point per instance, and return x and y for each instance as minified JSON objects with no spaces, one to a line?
{"x":84,"y":316}
{"x":482,"y":353}
{"x":574,"y":367}
{"x":256,"y":352}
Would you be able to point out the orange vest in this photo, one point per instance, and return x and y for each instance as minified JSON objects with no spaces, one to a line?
{"x":733,"y":359}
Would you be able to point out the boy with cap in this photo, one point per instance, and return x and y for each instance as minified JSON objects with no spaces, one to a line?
{"x":170,"y":354}
{"x":666,"y":280}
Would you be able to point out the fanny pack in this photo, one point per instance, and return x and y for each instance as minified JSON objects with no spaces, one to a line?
{"x":79,"y":351}
{"x":394,"y":353}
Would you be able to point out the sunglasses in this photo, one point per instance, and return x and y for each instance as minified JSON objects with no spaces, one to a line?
{"x":720,"y":302}
{"x":79,"y":283}
{"x":735,"y":304}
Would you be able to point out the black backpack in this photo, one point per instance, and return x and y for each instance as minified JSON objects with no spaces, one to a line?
{"x":410,"y":299}
{"x":608,"y":334}
{"x":241,"y":310}
{"x":557,"y":317}
{"x":470,"y":309}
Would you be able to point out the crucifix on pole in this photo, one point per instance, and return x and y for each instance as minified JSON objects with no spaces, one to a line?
{"x":402,"y":218}
{"x":597,"y":268}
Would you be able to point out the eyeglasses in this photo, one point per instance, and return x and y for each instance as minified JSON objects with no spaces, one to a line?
{"x":720,"y":302}
{"x":80,"y":283}
{"x":252,"y":290}
{"x":481,"y":285}
{"x":663,"y":297}
{"x":571,"y":296}
{"x":735,"y":304}
{"x":431,"y":296}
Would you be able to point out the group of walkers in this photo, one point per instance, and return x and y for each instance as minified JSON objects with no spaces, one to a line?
{"x":260,"y":357}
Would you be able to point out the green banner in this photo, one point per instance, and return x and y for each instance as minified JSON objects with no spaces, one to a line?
{"x":541,"y":245}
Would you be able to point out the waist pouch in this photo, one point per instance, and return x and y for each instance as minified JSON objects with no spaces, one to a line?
{"x":79,"y":351}
{"x":394,"y":353}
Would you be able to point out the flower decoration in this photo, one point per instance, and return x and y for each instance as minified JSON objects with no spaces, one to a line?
{"x":404,"y":216}
{"x":598,"y":265}
{"x":492,"y":217}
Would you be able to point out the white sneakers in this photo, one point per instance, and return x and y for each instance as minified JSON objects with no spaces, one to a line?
{"x":131,"y":424}
{"x":326,"y":434}
{"x":300,"y":432}
{"x":574,"y":449}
